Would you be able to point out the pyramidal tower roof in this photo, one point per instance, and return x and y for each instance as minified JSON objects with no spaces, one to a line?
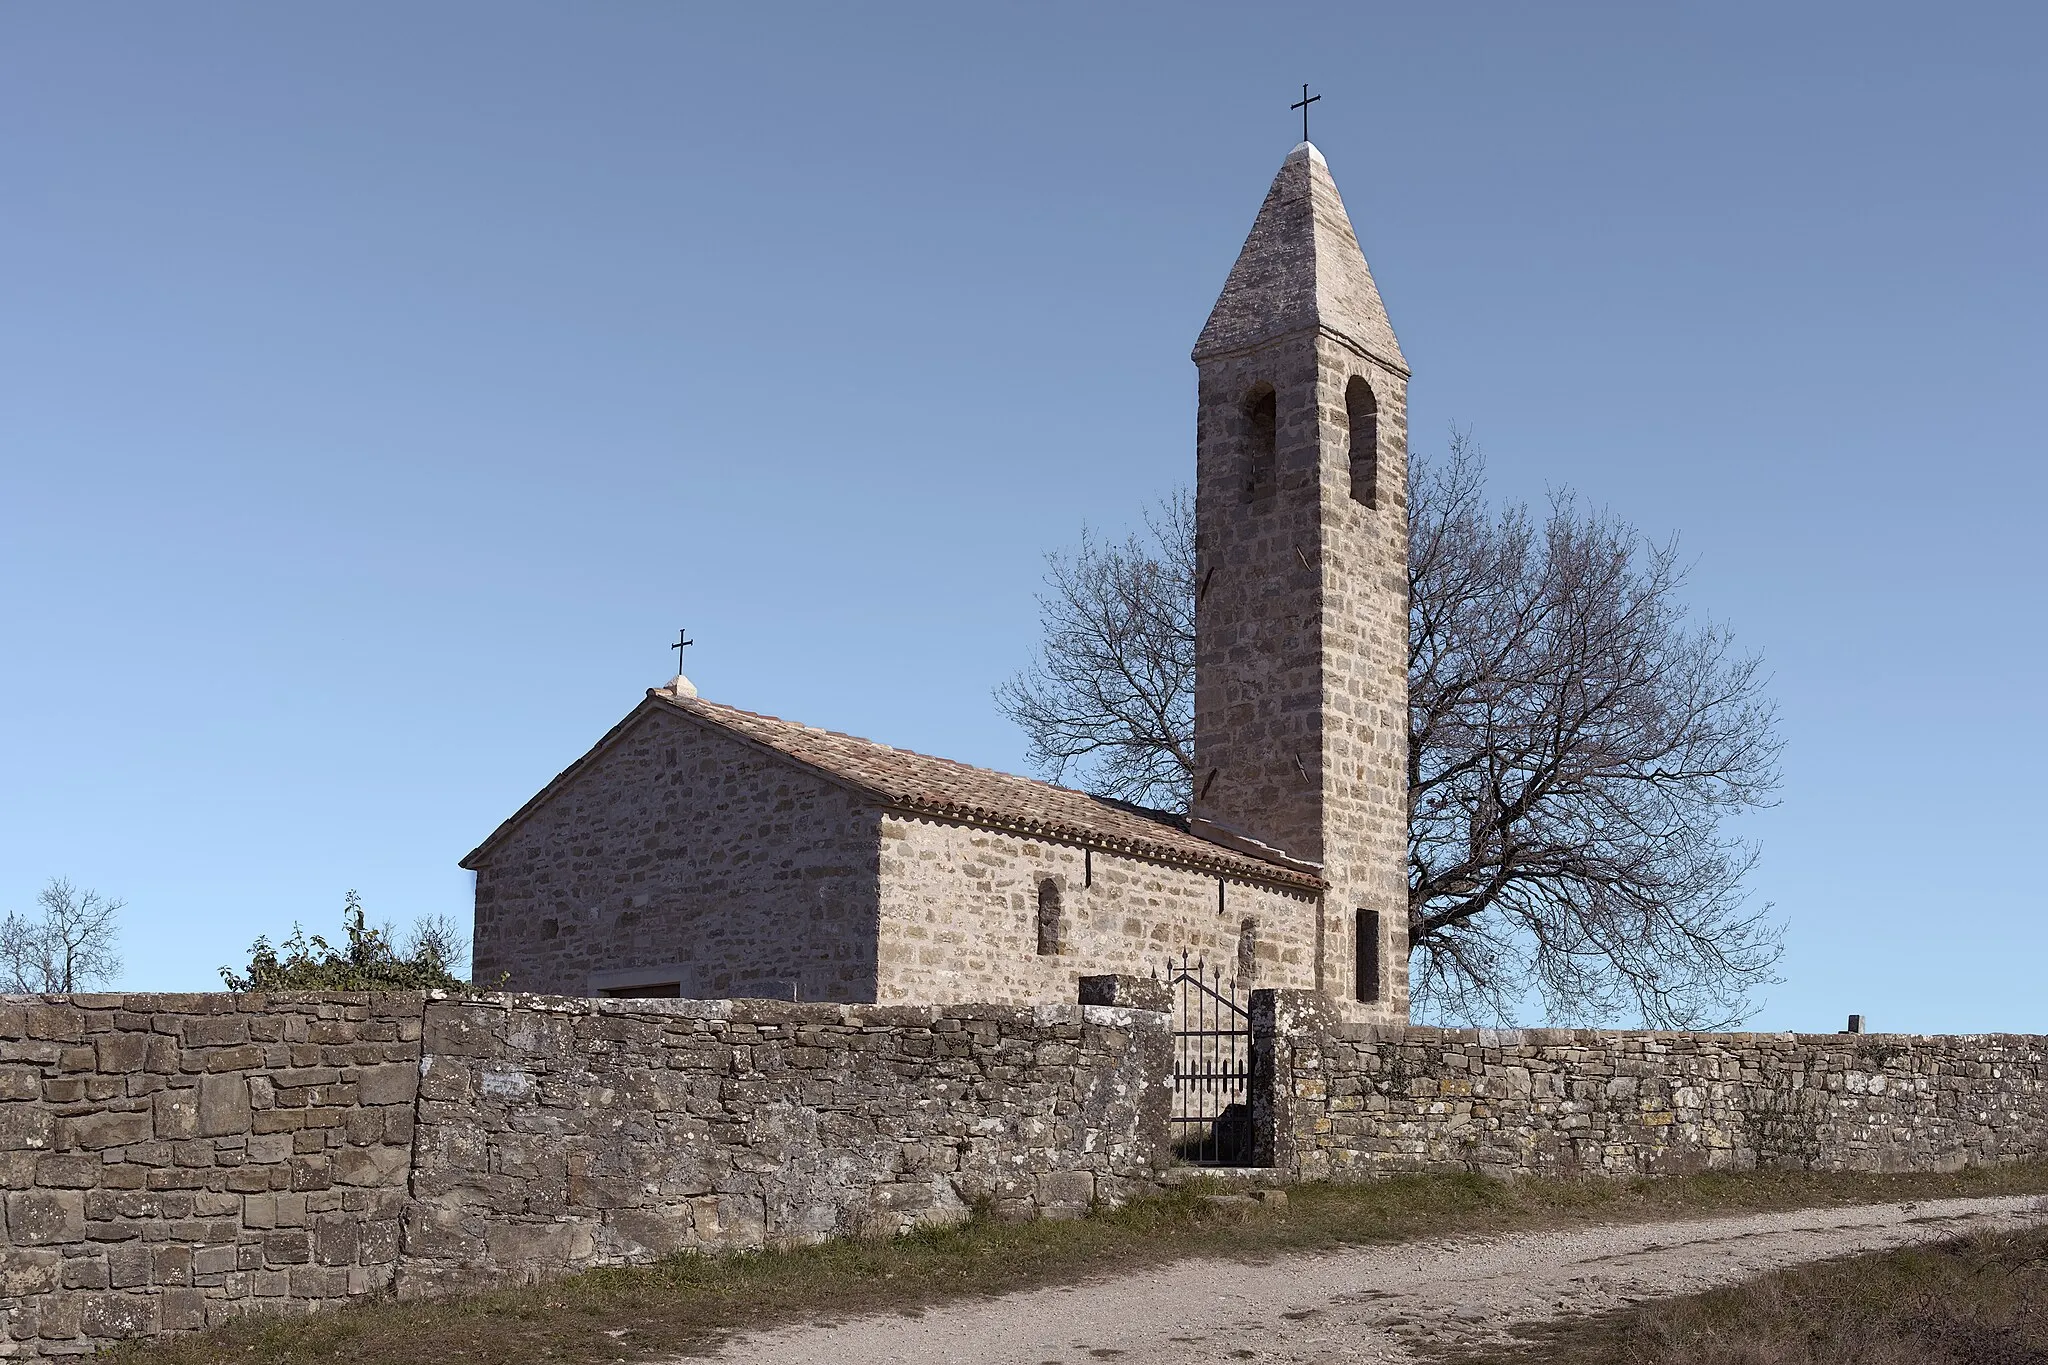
{"x":1301,"y":267}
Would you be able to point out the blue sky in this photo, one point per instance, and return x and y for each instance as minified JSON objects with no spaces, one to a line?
{"x":381,"y":386}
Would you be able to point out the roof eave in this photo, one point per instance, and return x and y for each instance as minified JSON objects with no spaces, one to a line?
{"x":1244,"y":867}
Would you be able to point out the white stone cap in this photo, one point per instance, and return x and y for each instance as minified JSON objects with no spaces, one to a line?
{"x":1309,"y":149}
{"x":681,"y":686}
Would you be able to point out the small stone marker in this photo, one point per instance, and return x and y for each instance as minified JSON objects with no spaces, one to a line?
{"x":1855,"y":1023}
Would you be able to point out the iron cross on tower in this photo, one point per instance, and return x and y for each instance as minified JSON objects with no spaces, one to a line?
{"x":683,"y":642}
{"x":1306,"y":100}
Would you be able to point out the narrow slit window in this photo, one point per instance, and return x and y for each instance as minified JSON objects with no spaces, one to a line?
{"x":1048,"y":918}
{"x":1261,"y":441}
{"x":1363,"y":411}
{"x":1368,"y":941}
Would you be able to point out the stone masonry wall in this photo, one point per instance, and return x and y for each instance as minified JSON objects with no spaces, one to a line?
{"x":1352,"y":1100}
{"x":172,"y":1159}
{"x":1301,"y":616}
{"x":959,"y":918}
{"x":169,"y":1160}
{"x":693,"y":858}
{"x":1364,"y":573}
{"x":558,"y":1134}
{"x":680,"y":854}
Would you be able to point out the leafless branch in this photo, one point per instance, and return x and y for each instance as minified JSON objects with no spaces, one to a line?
{"x":1576,"y":741}
{"x":1110,"y":701}
{"x":70,"y":946}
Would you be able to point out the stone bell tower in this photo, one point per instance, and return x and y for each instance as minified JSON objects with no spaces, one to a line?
{"x":1301,"y":616}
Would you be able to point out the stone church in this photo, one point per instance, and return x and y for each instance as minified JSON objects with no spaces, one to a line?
{"x":701,"y":850}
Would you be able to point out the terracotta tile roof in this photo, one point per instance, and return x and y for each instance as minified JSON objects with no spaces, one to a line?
{"x":939,"y":787}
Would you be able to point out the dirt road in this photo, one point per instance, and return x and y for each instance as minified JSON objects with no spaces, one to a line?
{"x":1367,"y":1304}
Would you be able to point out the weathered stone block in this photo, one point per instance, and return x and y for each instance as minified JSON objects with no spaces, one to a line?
{"x":128,"y":1266}
{"x":287,"y":1246}
{"x":210,"y":1262}
{"x":538,"y":1245}
{"x":374,"y":1165}
{"x":114,"y":1317}
{"x":453,"y":1030}
{"x":182,"y":1310}
{"x":118,"y":1053}
{"x":25,"y":1126}
{"x":25,"y":1272}
{"x":214,"y":1031}
{"x":223,"y":1105}
{"x":80,"y":1171}
{"x":45,"y":1217}
{"x":85,"y":1271}
{"x":57,"y":1317}
{"x":657,"y":1231}
{"x":56,"y":1023}
{"x":337,"y":1239}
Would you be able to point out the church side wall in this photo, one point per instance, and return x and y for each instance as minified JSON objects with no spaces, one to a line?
{"x":681,"y":848}
{"x":959,"y":918}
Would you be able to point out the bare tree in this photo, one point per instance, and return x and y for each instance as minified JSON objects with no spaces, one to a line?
{"x":1111,"y":699}
{"x":438,"y":939}
{"x":1575,"y":744}
{"x":69,"y":947}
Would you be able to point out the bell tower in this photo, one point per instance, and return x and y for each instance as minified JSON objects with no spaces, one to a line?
{"x":1301,"y":614}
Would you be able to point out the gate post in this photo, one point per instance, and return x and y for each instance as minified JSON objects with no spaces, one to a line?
{"x":1289,"y":1108}
{"x":1141,"y":1088}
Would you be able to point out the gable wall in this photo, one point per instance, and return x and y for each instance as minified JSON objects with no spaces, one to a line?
{"x":959,"y":918}
{"x":678,"y":845}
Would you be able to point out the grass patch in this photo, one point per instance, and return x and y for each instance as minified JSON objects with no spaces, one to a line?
{"x":690,"y":1303}
{"x":1980,"y":1299}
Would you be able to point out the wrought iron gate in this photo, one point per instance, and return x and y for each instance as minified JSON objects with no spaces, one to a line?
{"x":1212,"y":1067}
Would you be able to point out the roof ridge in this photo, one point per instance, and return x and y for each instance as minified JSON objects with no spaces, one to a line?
{"x":930,"y":758}
{"x":949,"y":789}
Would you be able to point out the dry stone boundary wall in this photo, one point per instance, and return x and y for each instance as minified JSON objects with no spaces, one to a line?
{"x":171,"y":1160}
{"x":168,"y":1161}
{"x":1351,"y":1100}
{"x":556,"y":1134}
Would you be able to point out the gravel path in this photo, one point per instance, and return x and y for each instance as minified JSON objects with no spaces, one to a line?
{"x":1364,"y":1305}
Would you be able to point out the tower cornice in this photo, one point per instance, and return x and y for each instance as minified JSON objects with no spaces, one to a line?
{"x":1322,"y":329}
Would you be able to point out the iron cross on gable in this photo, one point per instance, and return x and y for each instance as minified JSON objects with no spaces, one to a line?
{"x":683,"y":642}
{"x":1306,"y":100}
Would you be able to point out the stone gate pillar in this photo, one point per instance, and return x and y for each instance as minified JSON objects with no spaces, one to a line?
{"x":1290,"y":1109}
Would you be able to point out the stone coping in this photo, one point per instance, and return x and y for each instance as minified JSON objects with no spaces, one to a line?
{"x":781,"y":1011}
{"x":1583,"y":1037}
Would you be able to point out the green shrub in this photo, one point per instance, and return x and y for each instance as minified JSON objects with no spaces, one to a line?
{"x":371,"y":961}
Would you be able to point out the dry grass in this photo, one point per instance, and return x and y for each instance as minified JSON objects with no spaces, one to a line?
{"x":690,"y":1303}
{"x":1977,"y":1300}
